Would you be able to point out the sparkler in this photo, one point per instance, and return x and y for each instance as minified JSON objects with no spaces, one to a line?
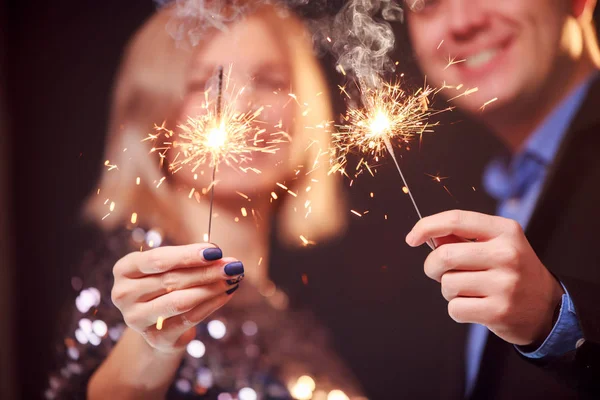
{"x":391,"y":116}
{"x":220,"y":134}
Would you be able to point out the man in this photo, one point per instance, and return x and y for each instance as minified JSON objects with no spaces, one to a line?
{"x":531,"y":275}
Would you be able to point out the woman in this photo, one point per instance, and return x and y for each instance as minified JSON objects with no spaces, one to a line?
{"x":160,"y":341}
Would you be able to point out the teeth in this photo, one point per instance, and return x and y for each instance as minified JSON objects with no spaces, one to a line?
{"x":480,"y":58}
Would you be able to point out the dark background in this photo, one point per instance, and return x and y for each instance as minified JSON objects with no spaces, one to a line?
{"x":57,"y":71}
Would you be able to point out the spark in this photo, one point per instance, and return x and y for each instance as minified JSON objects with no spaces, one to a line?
{"x":343,"y":90}
{"x":487,"y":103}
{"x":439,"y":179}
{"x":218,"y":135}
{"x":452,"y":61}
{"x":391,"y":115}
{"x":440,"y":45}
{"x":159,"y":323}
{"x":110,"y":166}
{"x":465,"y":93}
{"x":356,"y":213}
{"x":134,"y":218}
{"x":245,"y":196}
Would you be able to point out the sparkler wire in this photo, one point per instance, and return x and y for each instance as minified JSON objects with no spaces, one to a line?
{"x":214,"y":172}
{"x":390,"y":149}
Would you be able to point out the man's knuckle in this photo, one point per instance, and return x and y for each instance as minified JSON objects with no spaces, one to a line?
{"x":428,"y":267}
{"x":449,"y":290}
{"x":454,"y":311}
{"x":455,"y":218}
{"x":446,"y":255}
{"x":510,"y":256}
{"x":502,"y":313}
{"x":509,"y":284}
{"x":513,"y":228}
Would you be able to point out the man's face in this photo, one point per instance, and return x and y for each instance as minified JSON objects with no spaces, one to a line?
{"x":508,"y":49}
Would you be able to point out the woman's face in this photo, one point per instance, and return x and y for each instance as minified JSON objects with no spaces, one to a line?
{"x":259,"y":67}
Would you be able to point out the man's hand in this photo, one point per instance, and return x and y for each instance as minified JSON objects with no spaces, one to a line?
{"x":494,"y":279}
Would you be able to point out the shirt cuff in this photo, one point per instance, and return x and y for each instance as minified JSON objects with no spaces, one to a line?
{"x":564,"y":335}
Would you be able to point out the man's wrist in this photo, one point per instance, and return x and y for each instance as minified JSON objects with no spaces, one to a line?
{"x":550,"y":318}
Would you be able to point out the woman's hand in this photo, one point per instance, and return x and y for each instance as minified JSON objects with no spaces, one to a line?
{"x":177,"y":287}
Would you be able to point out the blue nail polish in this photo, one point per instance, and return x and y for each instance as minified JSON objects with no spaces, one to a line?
{"x":235,"y":280}
{"x":212,"y":254}
{"x":234,"y":268}
{"x":233,"y":289}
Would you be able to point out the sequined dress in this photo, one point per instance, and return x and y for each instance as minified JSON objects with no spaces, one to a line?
{"x":262,"y":351}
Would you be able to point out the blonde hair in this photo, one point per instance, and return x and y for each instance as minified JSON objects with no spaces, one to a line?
{"x":149,"y":89}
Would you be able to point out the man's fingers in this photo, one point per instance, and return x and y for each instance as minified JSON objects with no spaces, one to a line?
{"x":150,"y":287}
{"x":440,"y":241}
{"x":162,"y":259}
{"x":469,"y":310}
{"x":465,"y":284}
{"x":464,"y":224}
{"x":464,"y":256}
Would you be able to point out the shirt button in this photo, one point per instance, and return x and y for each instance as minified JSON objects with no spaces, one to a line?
{"x":579,"y":343}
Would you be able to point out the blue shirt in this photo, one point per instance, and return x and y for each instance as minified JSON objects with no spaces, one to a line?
{"x":525,"y":176}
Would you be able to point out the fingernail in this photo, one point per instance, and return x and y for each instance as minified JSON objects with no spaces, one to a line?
{"x":409,"y":238}
{"x":235,"y":280}
{"x":233,"y":289}
{"x":212,"y":254}
{"x":234,"y":268}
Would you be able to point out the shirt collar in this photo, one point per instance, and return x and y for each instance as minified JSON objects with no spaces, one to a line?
{"x":502,"y":174}
{"x":547,"y":137}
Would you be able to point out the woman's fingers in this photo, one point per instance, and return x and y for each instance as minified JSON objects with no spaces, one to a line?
{"x":142,"y":315}
{"x":152,"y":286}
{"x":169,"y":336}
{"x":163,"y":259}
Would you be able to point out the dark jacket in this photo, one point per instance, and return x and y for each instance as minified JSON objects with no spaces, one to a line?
{"x":391,"y":324}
